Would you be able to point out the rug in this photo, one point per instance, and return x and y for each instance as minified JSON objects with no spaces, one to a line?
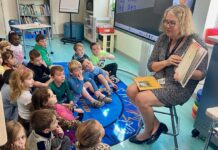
{"x":119,"y":118}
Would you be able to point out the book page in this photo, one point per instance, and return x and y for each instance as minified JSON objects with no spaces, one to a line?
{"x":191,"y":60}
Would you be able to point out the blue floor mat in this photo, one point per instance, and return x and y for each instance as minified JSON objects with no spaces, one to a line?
{"x":119,"y":118}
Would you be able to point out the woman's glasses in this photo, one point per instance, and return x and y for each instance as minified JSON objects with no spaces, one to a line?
{"x":171,"y":23}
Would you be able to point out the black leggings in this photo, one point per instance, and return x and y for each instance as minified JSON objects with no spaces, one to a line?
{"x":111,"y":68}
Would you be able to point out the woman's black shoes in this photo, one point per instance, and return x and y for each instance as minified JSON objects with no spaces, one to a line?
{"x":133,"y":139}
{"x":162,"y":128}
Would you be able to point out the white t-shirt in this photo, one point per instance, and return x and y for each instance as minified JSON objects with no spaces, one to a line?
{"x":22,"y":101}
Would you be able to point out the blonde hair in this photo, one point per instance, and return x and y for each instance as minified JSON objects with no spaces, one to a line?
{"x":77,"y":45}
{"x":13,"y":129}
{"x":74,"y":64}
{"x":16,"y":81}
{"x":87,"y":134}
{"x":184,"y":16}
{"x":4,"y":44}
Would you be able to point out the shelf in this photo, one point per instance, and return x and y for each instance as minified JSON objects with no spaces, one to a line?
{"x":35,"y":15}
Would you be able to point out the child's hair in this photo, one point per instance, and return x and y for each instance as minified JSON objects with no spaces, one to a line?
{"x":6,"y":75}
{"x":16,"y":81}
{"x":41,"y":119}
{"x":34,"y":54}
{"x":77,"y":45}
{"x":40,"y":37}
{"x":40,"y":97}
{"x":6,"y":55}
{"x":74,"y":64}
{"x":55,"y":69}
{"x":87,"y":134}
{"x":11,"y":34}
{"x":13,"y":128}
{"x":4,"y":44}
{"x":92,"y":44}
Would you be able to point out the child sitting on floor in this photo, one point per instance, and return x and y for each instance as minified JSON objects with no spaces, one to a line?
{"x":40,"y":69}
{"x":16,"y":47}
{"x":41,"y":47}
{"x":4,"y":45}
{"x":17,"y":139}
{"x":8,"y":60}
{"x":89,"y":135}
{"x":78,"y":86}
{"x":94,"y":72}
{"x":79,"y":52}
{"x":21,"y":80}
{"x":60,"y":87}
{"x":10,"y":108}
{"x":44,"y":98}
{"x":99,"y":57}
{"x":45,"y":127}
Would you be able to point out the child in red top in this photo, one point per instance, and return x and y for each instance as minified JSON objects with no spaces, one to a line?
{"x":44,"y":98}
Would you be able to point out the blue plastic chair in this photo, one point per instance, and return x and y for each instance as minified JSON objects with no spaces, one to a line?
{"x":15,"y":22}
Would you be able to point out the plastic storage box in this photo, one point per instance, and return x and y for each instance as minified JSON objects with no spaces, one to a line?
{"x":77,"y":31}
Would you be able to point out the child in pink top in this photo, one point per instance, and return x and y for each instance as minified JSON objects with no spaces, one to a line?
{"x":16,"y":47}
{"x":44,"y":98}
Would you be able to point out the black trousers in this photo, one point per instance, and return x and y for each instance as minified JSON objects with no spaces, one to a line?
{"x":111,"y":68}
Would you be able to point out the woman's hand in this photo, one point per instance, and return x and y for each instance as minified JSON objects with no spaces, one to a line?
{"x":176,"y":76}
{"x":173,"y":60}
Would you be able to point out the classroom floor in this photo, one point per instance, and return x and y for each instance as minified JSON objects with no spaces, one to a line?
{"x":64,"y":53}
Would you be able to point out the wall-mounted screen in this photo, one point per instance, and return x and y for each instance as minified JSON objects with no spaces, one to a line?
{"x":143,"y":17}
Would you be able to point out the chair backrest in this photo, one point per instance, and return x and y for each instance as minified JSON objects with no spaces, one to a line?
{"x":14,"y":22}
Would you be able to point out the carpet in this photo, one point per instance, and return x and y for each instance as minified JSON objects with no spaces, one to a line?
{"x":119,"y":118}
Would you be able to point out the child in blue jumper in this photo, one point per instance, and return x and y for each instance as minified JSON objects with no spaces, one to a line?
{"x":78,"y":86}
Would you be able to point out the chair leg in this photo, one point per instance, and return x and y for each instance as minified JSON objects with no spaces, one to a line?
{"x":207,"y":141}
{"x":172,"y":110}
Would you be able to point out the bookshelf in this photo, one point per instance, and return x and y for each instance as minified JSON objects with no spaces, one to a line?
{"x":32,"y":11}
{"x":96,"y":13}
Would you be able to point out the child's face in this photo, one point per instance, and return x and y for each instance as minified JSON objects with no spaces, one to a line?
{"x":42,"y":43}
{"x":79,"y":51}
{"x":59,"y":76}
{"x":52,"y":100}
{"x":11,"y":60}
{"x":28,"y":82}
{"x":54,"y":124}
{"x":15,"y":40}
{"x":20,"y":140}
{"x":87,"y":65}
{"x":96,"y":49}
{"x":37,"y":61}
{"x":77,"y":72}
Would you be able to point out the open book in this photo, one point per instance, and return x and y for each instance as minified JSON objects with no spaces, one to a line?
{"x":147,"y":83}
{"x":190,"y":61}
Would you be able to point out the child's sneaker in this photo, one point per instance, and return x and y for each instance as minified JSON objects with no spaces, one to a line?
{"x":97,"y":104}
{"x":105,"y":99}
{"x":109,"y":92}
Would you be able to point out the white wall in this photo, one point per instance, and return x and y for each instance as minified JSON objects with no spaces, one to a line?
{"x":60,"y":18}
{"x":10,"y":12}
{"x":131,"y":46}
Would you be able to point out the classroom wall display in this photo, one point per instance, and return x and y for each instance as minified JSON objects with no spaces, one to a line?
{"x":69,"y":6}
{"x":143,"y":17}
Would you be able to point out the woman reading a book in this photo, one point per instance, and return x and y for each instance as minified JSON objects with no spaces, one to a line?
{"x":177,"y":36}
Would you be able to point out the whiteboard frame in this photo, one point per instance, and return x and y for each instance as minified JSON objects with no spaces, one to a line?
{"x":64,"y":11}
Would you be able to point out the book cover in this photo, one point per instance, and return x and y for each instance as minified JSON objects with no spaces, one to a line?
{"x":147,"y":83}
{"x":190,"y":61}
